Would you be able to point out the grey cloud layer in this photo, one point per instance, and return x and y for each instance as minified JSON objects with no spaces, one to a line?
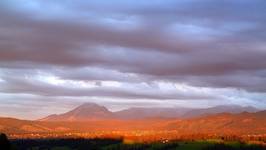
{"x":214,"y":44}
{"x":33,"y":86}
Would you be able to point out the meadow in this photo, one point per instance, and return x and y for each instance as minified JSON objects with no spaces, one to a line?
{"x":118,"y":144}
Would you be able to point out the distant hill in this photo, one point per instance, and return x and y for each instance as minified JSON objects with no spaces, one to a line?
{"x":180,"y":112}
{"x":223,"y":123}
{"x":87,"y":111}
{"x":234,"y":109}
{"x":92,"y":111}
{"x":12,"y":125}
{"x":141,"y":113}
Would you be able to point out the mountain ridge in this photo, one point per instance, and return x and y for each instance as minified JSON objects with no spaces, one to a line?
{"x":244,"y":123}
{"x":93,"y":111}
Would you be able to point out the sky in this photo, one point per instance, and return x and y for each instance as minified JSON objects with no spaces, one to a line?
{"x":56,"y":55}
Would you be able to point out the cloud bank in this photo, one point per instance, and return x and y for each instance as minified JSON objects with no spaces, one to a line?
{"x":126,"y":53}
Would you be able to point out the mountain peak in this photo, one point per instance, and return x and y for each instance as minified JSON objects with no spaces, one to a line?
{"x":84,"y":112}
{"x":90,"y":106}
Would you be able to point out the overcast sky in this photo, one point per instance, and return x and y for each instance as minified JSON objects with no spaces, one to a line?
{"x":56,"y":55}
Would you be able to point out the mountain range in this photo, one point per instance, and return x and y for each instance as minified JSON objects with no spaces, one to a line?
{"x":92,"y":111}
{"x":92,"y":117}
{"x":224,"y":123}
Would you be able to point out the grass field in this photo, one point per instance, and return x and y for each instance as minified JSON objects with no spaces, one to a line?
{"x":110,"y":144}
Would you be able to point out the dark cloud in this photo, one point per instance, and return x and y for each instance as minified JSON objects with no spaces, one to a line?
{"x":209,"y":44}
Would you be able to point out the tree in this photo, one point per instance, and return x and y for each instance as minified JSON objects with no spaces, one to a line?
{"x":4,"y":142}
